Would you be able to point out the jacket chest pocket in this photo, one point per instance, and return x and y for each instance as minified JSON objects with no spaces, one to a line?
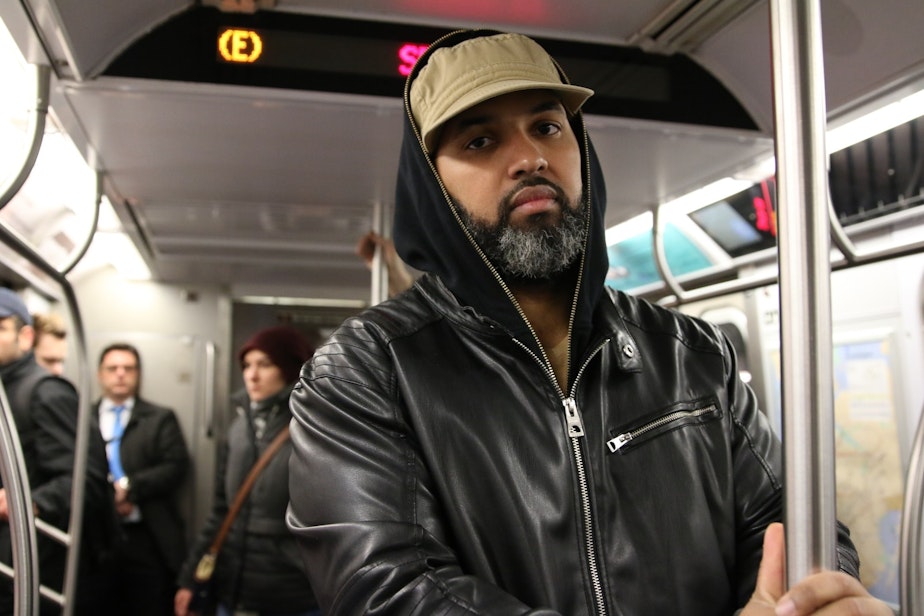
{"x":694,"y":413}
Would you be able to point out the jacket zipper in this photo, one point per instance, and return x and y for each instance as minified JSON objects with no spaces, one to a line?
{"x":615,"y":444}
{"x":577,"y":424}
{"x":575,"y":433}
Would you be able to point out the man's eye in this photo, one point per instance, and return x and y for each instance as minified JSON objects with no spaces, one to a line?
{"x":549,"y":128}
{"x":478,"y":143}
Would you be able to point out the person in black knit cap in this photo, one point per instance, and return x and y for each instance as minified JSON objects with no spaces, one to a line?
{"x":258,"y":568}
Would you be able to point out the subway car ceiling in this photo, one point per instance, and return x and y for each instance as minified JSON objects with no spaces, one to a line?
{"x":258,"y":169}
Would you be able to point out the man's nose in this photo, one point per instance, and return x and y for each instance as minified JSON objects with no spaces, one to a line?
{"x":526,"y":157}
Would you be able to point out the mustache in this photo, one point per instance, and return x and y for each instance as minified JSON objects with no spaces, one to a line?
{"x":506,"y":206}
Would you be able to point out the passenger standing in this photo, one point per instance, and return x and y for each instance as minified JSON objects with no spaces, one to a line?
{"x":511,"y":436}
{"x":258,"y":570}
{"x":148,"y":461}
{"x":45,"y":409}
{"x":50,"y":345}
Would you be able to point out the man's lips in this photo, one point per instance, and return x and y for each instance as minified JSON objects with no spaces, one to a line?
{"x":534,"y":199}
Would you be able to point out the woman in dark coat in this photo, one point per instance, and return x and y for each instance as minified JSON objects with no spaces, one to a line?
{"x":258,"y":569}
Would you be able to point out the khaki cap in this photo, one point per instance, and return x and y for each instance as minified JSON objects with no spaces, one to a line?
{"x":460,"y":77}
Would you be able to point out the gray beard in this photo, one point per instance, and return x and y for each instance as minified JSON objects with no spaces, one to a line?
{"x":536,"y":253}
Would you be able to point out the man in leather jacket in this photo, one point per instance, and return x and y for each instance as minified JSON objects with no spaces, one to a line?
{"x":509,"y":436}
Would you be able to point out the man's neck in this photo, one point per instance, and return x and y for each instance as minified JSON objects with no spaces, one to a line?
{"x":547,"y":306}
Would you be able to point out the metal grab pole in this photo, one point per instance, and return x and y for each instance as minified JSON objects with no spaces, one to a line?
{"x":911,"y":560}
{"x":379,"y":292}
{"x":24,"y":572}
{"x":805,"y":294}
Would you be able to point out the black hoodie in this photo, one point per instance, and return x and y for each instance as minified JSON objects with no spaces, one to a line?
{"x":430,"y":237}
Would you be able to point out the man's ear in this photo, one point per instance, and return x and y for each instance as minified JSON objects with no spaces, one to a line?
{"x":26,"y":338}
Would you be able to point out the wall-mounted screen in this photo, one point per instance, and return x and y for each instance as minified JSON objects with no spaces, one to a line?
{"x":743,"y":223}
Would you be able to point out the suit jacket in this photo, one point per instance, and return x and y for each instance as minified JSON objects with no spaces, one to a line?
{"x":155,"y":459}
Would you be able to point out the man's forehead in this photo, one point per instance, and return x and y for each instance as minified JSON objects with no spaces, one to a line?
{"x":119,"y":358}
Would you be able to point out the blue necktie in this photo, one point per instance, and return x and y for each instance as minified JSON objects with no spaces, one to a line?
{"x":115,"y":460}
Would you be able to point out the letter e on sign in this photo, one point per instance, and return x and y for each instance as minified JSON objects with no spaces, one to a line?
{"x":240,"y":46}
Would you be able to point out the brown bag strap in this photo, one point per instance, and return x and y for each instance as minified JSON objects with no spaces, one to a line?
{"x":206,"y":565}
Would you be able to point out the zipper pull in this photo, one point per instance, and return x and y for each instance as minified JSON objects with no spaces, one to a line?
{"x":615,"y":444}
{"x":575,"y":424}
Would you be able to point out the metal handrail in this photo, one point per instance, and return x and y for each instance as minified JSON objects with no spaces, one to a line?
{"x":911,"y":570}
{"x":852,"y":257}
{"x":755,"y":281}
{"x":37,"y":115}
{"x":664,"y":269}
{"x":79,"y":253}
{"x":26,"y":588}
{"x":21,"y":518}
{"x":75,"y":524}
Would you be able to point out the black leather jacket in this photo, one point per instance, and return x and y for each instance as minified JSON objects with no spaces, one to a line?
{"x":438,"y":468}
{"x":645,"y":490}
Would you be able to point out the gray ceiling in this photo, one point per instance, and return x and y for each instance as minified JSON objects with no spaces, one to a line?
{"x":266,"y":190}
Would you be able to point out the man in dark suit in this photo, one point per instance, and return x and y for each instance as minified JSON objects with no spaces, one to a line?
{"x":148,"y":460}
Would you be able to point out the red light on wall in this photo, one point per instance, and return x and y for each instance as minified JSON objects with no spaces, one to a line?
{"x":764,"y":215}
{"x":408,"y":55}
{"x":762,"y":221}
{"x":240,"y":46}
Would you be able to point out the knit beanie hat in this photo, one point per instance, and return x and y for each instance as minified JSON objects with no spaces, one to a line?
{"x":286,"y":347}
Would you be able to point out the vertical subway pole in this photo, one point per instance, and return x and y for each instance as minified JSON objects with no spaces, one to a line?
{"x":379,"y":290}
{"x":805,"y":294}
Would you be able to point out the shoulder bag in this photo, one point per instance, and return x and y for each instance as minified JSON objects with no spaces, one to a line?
{"x":206,"y":566}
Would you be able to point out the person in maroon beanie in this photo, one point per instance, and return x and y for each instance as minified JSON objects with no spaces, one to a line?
{"x":258,"y":569}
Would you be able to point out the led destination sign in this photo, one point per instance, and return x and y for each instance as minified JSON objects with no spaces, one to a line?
{"x":328,"y":53}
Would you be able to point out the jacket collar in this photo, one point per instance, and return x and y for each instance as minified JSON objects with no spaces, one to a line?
{"x":17,"y":368}
{"x":608,"y":325}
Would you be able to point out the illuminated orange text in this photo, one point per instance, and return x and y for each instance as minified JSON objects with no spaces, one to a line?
{"x":241,"y":46}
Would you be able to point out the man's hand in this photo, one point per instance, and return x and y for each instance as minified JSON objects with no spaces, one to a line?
{"x":365,"y":248}
{"x":399,"y":278}
{"x":181,"y":602}
{"x":124,"y":507}
{"x":825,"y":593}
{"x":5,"y":507}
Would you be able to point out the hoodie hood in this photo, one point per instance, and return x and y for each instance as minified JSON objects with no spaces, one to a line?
{"x":430,"y":236}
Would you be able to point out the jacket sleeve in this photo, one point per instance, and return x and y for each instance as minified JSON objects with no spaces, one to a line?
{"x":54,"y":408}
{"x":758,"y":469}
{"x":161,"y":478}
{"x":361,"y":506}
